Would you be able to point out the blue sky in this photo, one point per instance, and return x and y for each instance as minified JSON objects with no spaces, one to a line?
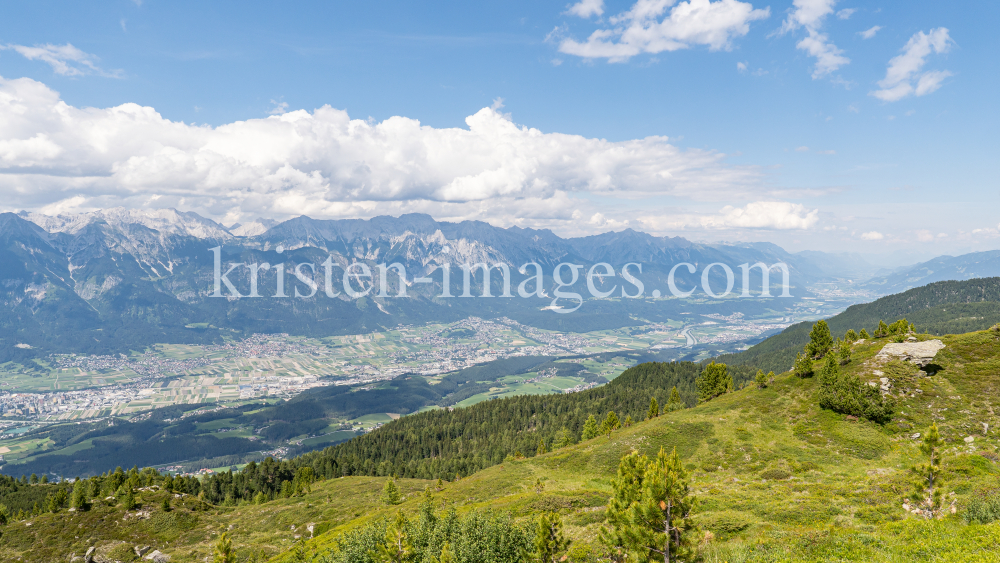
{"x":772,"y":141}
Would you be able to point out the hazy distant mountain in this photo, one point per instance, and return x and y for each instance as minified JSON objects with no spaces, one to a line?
{"x":964,"y":267}
{"x":121,"y":279}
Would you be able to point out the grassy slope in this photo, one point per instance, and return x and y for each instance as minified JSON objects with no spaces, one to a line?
{"x":842,"y":501}
{"x":950,"y":307}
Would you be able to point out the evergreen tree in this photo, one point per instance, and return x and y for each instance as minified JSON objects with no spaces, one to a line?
{"x":626,"y":489}
{"x":398,"y":547}
{"x":44,"y":480}
{"x":844,"y":353}
{"x":803,"y":365}
{"x":828,"y":378}
{"x":610,"y":424}
{"x":564,"y":438}
{"x":128,"y":500}
{"x":34,"y":479}
{"x":851,"y":336}
{"x":590,"y":429}
{"x":224,"y":552}
{"x":390,"y":493}
{"x":550,"y":543}
{"x":820,"y":340}
{"x":927,"y":485}
{"x":713,"y":382}
{"x":79,"y":498}
{"x":541,"y":448}
{"x":654,"y":409}
{"x":4,"y":515}
{"x":260,"y":498}
{"x":882,"y":330}
{"x":864,"y":334}
{"x":660,"y":523}
{"x":674,"y":403}
{"x":760,"y":379}
{"x":447,"y":555}
{"x":165,"y":505}
{"x":628,"y":421}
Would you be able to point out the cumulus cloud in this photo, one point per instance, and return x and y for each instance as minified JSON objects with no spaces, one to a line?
{"x":846,"y":13}
{"x":873,"y":235}
{"x":777,"y":215}
{"x":325,"y":164}
{"x":648,"y":28}
{"x":586,"y":8}
{"x":870,"y":32}
{"x":903,"y":77}
{"x":66,"y":59}
{"x":810,"y":14}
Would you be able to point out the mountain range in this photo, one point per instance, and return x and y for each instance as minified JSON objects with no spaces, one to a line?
{"x":119,"y":279}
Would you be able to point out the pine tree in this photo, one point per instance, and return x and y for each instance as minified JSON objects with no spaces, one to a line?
{"x":398,"y":547}
{"x":165,"y":505}
{"x":827,"y":383}
{"x":844,"y":353}
{"x":564,"y":438}
{"x":851,"y":336}
{"x":4,"y":515}
{"x":882,"y":330}
{"x":927,"y":486}
{"x":660,"y":523}
{"x":610,"y":424}
{"x":260,"y":498}
{"x":628,"y":421}
{"x":760,"y":379}
{"x":128,"y":500}
{"x":541,"y":448}
{"x":550,"y":543}
{"x":770,"y":377}
{"x":447,"y":555}
{"x":590,"y":429}
{"x":79,"y":498}
{"x":654,"y":409}
{"x":820,"y":340}
{"x":224,"y":552}
{"x":864,"y":334}
{"x":803,"y":365}
{"x":390,"y":493}
{"x":34,"y":479}
{"x":626,"y":489}
{"x":713,"y":382}
{"x":674,"y":403}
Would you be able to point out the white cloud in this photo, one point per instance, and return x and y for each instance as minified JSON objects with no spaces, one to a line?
{"x":828,"y":57}
{"x":846,"y":13}
{"x":690,"y":23}
{"x":923,"y":235}
{"x":768,"y":215}
{"x":809,"y":14}
{"x":906,"y":68}
{"x":870,"y":32}
{"x":325,"y":164}
{"x":775,"y":215}
{"x":873,"y":235}
{"x":586,"y":8}
{"x":66,"y":59}
{"x":742,"y":67}
{"x":802,"y":149}
{"x":279,"y":108}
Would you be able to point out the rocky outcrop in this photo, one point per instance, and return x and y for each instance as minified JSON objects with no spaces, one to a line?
{"x":158,"y":556}
{"x":919,"y":353}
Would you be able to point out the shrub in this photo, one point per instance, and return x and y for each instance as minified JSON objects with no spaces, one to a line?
{"x":983,"y":509}
{"x":122,"y":552}
{"x":775,"y":474}
{"x":727,"y":523}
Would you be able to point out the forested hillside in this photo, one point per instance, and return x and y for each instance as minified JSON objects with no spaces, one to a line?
{"x":949,"y":307}
{"x":445,"y":443}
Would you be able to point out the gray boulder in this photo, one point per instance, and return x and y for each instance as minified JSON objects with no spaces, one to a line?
{"x":919,"y":353}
